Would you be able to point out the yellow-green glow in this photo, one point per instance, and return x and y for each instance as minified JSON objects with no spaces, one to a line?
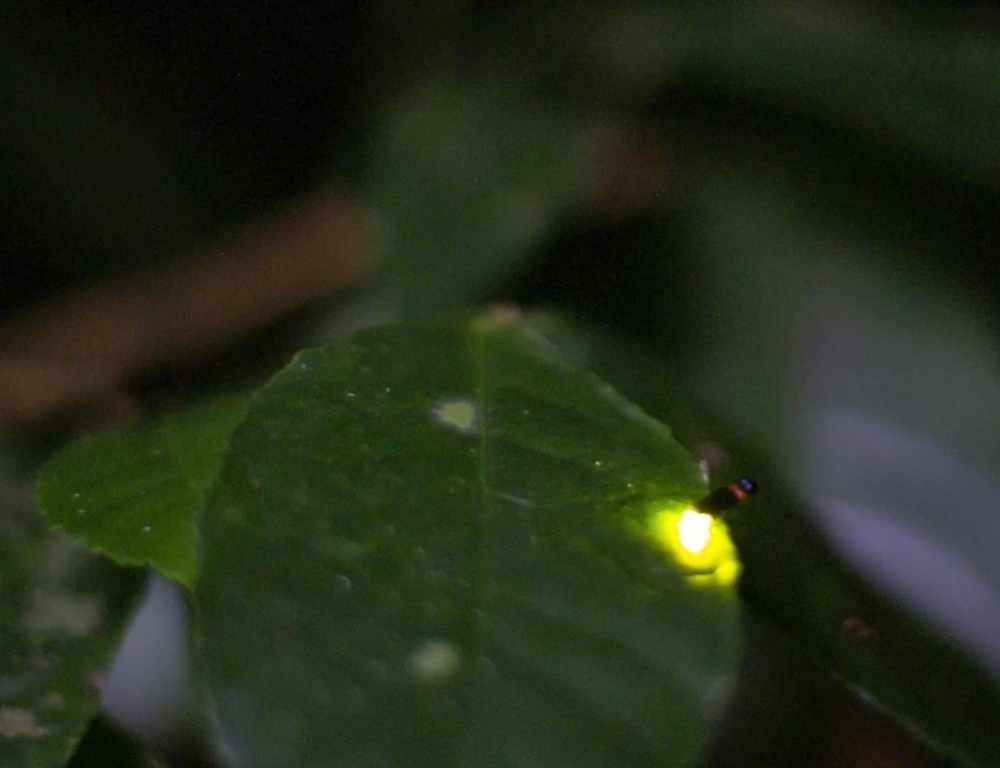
{"x":694,"y":530}
{"x":698,"y":543}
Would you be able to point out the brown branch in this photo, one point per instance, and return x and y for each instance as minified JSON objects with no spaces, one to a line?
{"x":88,"y":342}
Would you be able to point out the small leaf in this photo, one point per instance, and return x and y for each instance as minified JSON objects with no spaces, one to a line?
{"x":136,"y":495}
{"x":428,"y":547}
{"x":62,"y":616}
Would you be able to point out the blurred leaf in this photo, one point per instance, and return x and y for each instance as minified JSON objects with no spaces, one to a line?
{"x":887,"y":655}
{"x":920,"y":78}
{"x":136,"y":495}
{"x":62,"y":616}
{"x":930,"y":87}
{"x":465,"y":177}
{"x":428,"y":546}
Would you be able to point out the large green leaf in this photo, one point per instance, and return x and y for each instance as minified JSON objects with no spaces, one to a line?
{"x":136,"y":495}
{"x":429,"y":546}
{"x":893,"y":659}
{"x":62,"y":616}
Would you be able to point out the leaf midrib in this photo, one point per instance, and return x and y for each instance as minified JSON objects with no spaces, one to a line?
{"x":481,"y":523}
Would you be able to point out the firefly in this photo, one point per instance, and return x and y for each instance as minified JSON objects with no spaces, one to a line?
{"x":727,"y":497}
{"x":698,"y":538}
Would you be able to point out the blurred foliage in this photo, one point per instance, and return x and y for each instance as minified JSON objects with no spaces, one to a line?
{"x":464,"y":182}
{"x":62,"y":616}
{"x":716,"y":186}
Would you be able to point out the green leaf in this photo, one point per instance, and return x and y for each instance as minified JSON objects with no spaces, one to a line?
{"x":62,"y":616}
{"x":634,"y":369}
{"x":465,"y":177}
{"x":136,"y":495}
{"x":428,"y":547}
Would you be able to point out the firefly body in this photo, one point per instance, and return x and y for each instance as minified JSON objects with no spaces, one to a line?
{"x":727,"y":497}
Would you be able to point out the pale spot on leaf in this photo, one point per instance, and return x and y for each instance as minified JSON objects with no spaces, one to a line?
{"x":15,"y":722}
{"x":58,"y":612}
{"x":459,"y":414}
{"x":434,"y":661}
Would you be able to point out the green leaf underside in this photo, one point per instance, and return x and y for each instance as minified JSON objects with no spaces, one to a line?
{"x":422,"y":550}
{"x":62,"y":616}
{"x":137,"y":495}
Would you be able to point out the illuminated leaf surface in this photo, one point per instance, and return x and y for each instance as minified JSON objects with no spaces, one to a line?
{"x":427,"y":547}
{"x":136,"y":495}
{"x":62,"y":615}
